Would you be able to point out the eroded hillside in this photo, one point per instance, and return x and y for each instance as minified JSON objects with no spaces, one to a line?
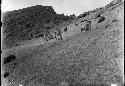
{"x":85,"y":51}
{"x":30,"y":23}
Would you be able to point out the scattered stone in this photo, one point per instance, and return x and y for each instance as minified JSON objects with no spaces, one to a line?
{"x":76,"y":24}
{"x":48,"y":27}
{"x":114,"y":20}
{"x":65,"y":29}
{"x":82,"y":29}
{"x":101,"y":19}
{"x":83,"y":15}
{"x":41,"y":35}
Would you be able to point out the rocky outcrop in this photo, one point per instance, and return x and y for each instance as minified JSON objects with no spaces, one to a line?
{"x":9,"y":59}
{"x":6,"y":74}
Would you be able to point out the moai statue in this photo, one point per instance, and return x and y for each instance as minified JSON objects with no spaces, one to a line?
{"x":58,"y":34}
{"x":88,"y":25}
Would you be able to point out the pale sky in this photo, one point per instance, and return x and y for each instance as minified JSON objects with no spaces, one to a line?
{"x":68,"y":7}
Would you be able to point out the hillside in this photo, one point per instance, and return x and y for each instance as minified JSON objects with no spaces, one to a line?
{"x":30,"y":23}
{"x":86,"y":50}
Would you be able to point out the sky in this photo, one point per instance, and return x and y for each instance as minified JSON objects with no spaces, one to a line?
{"x":68,"y":7}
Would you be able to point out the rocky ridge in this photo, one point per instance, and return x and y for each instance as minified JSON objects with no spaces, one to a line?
{"x":30,"y":23}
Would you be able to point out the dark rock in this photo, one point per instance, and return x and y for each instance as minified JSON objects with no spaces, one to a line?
{"x":83,"y":15}
{"x":76,"y":24}
{"x":40,"y":35}
{"x":65,"y":29}
{"x":98,"y":16}
{"x":48,"y":27}
{"x":6,"y":74}
{"x":82,"y":29}
{"x":83,"y":20}
{"x":29,"y":25}
{"x":114,"y":20}
{"x":9,"y":59}
{"x":48,"y":36}
{"x":101,"y":19}
{"x":48,"y":21}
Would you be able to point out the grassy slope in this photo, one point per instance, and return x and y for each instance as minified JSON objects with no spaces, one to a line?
{"x":86,"y":57}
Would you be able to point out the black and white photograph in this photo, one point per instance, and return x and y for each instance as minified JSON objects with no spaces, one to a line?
{"x":62,"y":43}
